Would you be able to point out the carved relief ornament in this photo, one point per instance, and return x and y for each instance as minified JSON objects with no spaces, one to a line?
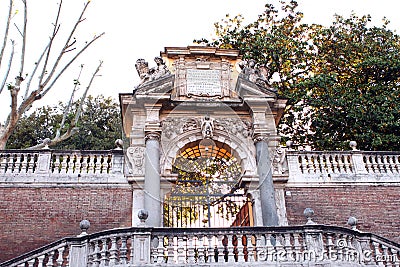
{"x":135,"y":156}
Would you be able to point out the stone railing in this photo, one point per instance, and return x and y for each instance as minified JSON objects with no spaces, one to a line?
{"x":342,"y":166}
{"x":31,"y":163}
{"x":314,"y":245}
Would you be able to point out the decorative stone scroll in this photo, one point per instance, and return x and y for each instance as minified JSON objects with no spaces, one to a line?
{"x":172,"y":127}
{"x":135,"y":157}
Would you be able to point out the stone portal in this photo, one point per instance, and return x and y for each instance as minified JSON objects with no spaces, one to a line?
{"x":200,"y":130}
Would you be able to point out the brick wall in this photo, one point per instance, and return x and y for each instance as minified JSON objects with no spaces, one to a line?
{"x":33,"y":217}
{"x":377,"y":208}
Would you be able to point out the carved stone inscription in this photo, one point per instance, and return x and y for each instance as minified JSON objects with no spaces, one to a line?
{"x":203,"y":82}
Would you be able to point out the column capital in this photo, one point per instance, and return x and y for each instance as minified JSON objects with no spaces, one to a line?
{"x":152,"y":136}
{"x":260,"y":138}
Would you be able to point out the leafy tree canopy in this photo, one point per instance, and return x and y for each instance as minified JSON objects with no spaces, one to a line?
{"x":99,"y":126}
{"x":342,"y":81}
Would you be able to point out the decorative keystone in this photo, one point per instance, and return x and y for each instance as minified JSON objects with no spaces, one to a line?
{"x":143,"y":215}
{"x":353,"y":145}
{"x":352,"y":221}
{"x":84,"y":225}
{"x":308,"y":213}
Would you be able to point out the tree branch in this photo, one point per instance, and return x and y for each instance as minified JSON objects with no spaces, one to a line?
{"x":67,"y":46}
{"x":7,"y":29}
{"x":72,"y":129}
{"x":8,"y":67}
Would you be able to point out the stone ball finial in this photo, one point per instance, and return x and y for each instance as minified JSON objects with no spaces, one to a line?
{"x":84,"y":225}
{"x":143,"y":215}
{"x":353,"y":145}
{"x":119,"y":144}
{"x":289,"y":144}
{"x":308,"y":213}
{"x":352,"y":221}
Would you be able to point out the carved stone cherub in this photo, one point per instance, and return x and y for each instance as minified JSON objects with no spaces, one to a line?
{"x":254,"y":72}
{"x":207,"y":127}
{"x":152,"y":74}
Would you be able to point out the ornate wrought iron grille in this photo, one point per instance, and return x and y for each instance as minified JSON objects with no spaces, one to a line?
{"x":207,"y":191}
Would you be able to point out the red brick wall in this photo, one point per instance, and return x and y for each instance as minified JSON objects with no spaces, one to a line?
{"x":33,"y":217}
{"x":377,"y":208}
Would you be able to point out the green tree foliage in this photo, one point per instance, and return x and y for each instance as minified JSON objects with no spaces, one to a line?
{"x":342,"y":81}
{"x":99,"y":126}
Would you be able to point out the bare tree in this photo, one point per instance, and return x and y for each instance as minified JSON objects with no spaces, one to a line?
{"x":48,"y":68}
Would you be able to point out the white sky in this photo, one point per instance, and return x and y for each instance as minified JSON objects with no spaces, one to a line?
{"x":141,"y":29}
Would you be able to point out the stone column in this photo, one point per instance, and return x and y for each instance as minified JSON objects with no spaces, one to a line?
{"x":266,"y":185}
{"x":152,"y":201}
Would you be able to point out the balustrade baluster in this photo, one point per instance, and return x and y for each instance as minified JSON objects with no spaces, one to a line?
{"x":90,"y":255}
{"x":378,"y":254}
{"x":96,"y":251}
{"x":113,"y":251}
{"x":220,"y":248}
{"x":90,"y":163}
{"x":131,"y":248}
{"x":41,"y":260}
{"x":3,"y":163}
{"x":30,"y":161}
{"x":63,"y":164}
{"x":386,"y":164}
{"x":123,"y":251}
{"x":202,"y":249}
{"x":261,"y":248}
{"x":84,"y":163}
{"x":396,"y":162}
{"x":161,"y":252}
{"x":50,"y":259}
{"x":23,"y":165}
{"x":296,"y":246}
{"x":230,"y":248}
{"x":302,"y":164}
{"x":60,"y":259}
{"x":332,"y":159}
{"x":287,"y":246}
{"x":9,"y":163}
{"x":280,"y":251}
{"x":240,"y":248}
{"x":31,"y":263}
{"x":251,"y":249}
{"x":211,"y":248}
{"x":78,"y":164}
{"x":171,"y":250}
{"x":270,"y":249}
{"x":395,"y":259}
{"x":181,"y":249}
{"x":192,"y":246}
{"x":103,"y":253}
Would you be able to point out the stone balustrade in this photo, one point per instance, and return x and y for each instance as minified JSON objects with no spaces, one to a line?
{"x":306,"y":166}
{"x":314,"y":245}
{"x":33,"y":165}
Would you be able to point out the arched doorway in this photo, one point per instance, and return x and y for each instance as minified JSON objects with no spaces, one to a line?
{"x":207,"y":191}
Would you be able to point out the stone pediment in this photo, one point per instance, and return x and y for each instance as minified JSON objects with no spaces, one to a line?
{"x":246,"y":88}
{"x":160,"y":86}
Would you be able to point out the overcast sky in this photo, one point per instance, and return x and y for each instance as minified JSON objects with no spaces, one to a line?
{"x":141,"y":29}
